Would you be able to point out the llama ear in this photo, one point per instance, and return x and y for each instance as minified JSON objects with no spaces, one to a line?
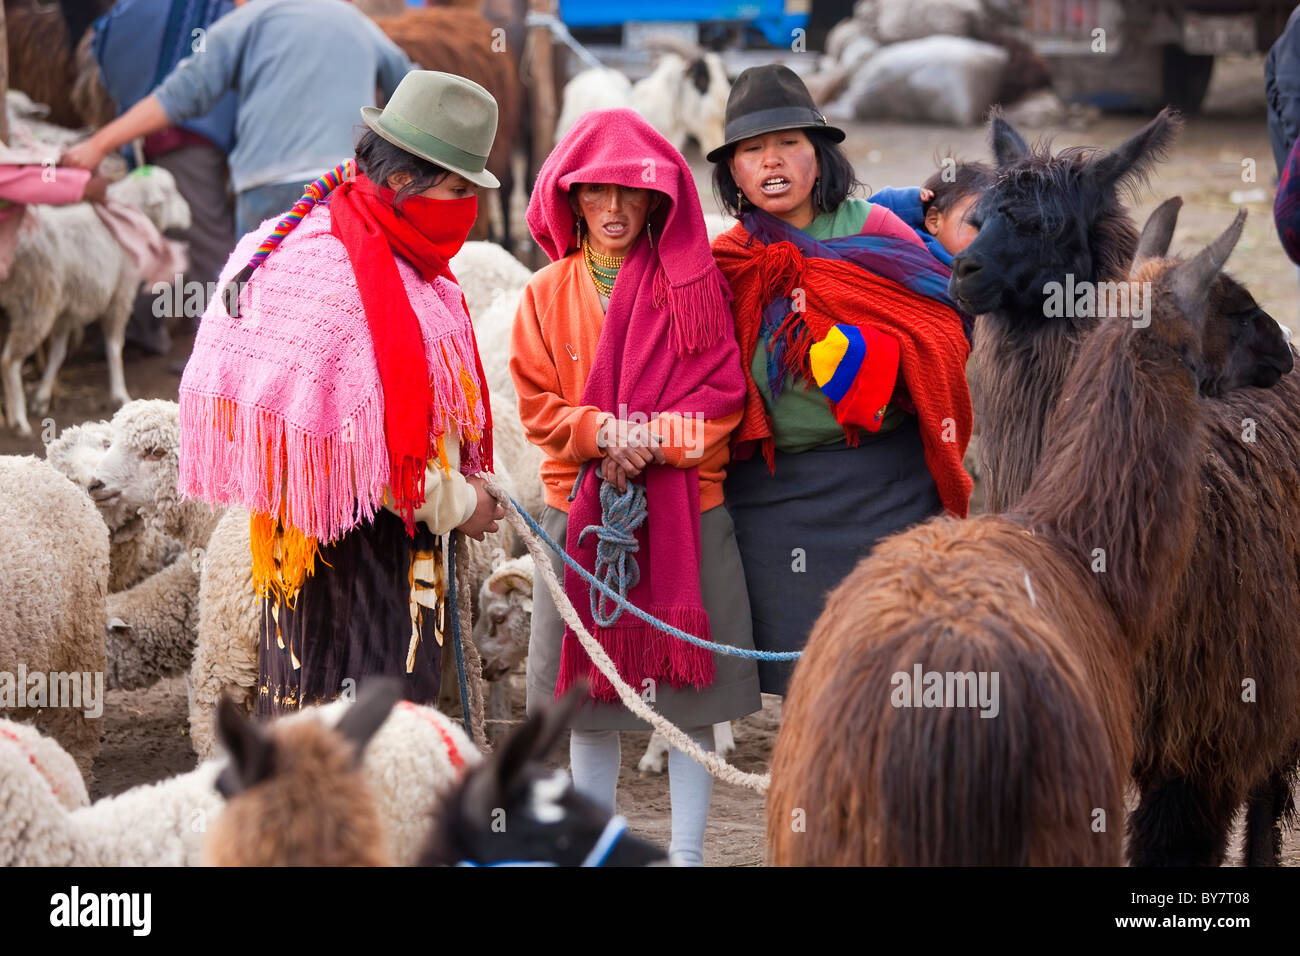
{"x":367,"y":715}
{"x":1159,"y":230}
{"x":1134,"y":159}
{"x":252,"y":754}
{"x":1192,"y":279}
{"x":537,"y":737}
{"x":1008,"y":145}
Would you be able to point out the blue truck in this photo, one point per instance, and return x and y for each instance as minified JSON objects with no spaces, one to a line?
{"x":774,"y":20}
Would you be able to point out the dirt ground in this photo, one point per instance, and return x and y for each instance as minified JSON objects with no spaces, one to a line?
{"x":145,"y":732}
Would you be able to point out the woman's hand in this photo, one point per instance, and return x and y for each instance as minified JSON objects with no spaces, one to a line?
{"x":630,"y":446}
{"x":484,"y":519}
{"x":612,"y":472}
{"x":96,"y":189}
{"x":926,"y":194}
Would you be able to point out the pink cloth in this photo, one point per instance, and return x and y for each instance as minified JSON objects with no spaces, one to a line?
{"x":156,"y":258}
{"x":23,"y":182}
{"x":665,"y":346}
{"x":885,"y":222}
{"x":282,"y":410}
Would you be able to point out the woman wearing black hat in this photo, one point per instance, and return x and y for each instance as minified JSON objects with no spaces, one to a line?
{"x":854,"y":357}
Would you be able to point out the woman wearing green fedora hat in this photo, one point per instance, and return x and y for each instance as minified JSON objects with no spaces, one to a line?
{"x":335,"y":393}
{"x":854,"y":360}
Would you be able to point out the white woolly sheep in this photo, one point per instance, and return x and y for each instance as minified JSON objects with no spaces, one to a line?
{"x":413,"y":758}
{"x":136,"y":550}
{"x":54,"y":565}
{"x":155,"y":622}
{"x":514,"y":452}
{"x":69,"y":272}
{"x":685,"y":95}
{"x":505,"y":606}
{"x":485,"y":272}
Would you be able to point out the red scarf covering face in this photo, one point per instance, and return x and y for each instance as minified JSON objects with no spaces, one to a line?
{"x":665,"y":346}
{"x":932,"y":346}
{"x":426,"y":233}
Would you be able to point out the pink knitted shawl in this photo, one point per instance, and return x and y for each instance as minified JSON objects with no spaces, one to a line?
{"x":281,"y":410}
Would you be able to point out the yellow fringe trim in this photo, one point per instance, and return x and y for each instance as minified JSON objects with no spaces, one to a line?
{"x":283,"y":558}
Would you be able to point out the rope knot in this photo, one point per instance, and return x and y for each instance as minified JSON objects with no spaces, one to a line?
{"x":616,"y":546}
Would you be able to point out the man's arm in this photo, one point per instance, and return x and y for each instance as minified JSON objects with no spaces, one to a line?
{"x":144,"y":118}
{"x":188,"y":92}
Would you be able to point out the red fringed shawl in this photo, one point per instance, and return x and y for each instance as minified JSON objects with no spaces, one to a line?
{"x":933,"y":347}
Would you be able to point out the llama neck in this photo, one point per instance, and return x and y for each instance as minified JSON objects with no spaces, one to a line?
{"x":1121,"y":456}
{"x":1018,"y":373}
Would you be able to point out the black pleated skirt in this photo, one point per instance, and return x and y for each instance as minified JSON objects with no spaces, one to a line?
{"x":352,"y":620}
{"x":804,"y":528}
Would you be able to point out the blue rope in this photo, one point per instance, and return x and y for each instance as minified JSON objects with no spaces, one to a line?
{"x":616,"y":545}
{"x":455,"y":630}
{"x":623,"y":604}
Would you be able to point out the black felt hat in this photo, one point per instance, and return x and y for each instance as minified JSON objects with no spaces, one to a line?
{"x":765,"y":99}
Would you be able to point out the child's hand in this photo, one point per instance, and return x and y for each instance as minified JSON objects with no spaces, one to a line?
{"x":926,"y":194}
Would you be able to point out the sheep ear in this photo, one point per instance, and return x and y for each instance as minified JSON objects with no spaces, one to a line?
{"x":252,"y":754}
{"x":373,"y":705}
{"x":1159,"y":230}
{"x":1008,"y":145}
{"x":1192,"y":279}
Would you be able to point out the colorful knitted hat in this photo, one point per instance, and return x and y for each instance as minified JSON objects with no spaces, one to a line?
{"x":856,"y":368}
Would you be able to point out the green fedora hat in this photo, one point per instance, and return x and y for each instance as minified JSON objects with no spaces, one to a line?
{"x":443,"y":118}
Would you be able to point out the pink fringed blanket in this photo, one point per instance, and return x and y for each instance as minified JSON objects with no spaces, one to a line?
{"x":282,"y":412}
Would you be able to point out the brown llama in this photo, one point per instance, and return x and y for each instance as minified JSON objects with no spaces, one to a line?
{"x":865,"y":775}
{"x":461,"y":41}
{"x":42,"y":42}
{"x":1219,"y":683}
{"x":296,"y":795}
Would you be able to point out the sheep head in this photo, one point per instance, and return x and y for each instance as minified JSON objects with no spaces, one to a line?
{"x":505,"y":603}
{"x":152,"y":190}
{"x":76,"y":453}
{"x":296,"y":793}
{"x":138,"y":472}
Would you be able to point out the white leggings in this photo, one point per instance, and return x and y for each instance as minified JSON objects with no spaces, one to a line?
{"x":594,"y":756}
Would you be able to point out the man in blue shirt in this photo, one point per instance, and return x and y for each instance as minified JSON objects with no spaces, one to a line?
{"x":137,"y":44}
{"x":302,"y":69}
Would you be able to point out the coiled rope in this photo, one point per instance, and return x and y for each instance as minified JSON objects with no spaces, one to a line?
{"x":532,"y":535}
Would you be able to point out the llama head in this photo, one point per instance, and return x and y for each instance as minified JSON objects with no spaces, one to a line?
{"x":1048,"y":217}
{"x":512,"y":809}
{"x":1205,"y":315}
{"x":505,"y":603}
{"x":295,"y":792}
{"x":141,"y":466}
